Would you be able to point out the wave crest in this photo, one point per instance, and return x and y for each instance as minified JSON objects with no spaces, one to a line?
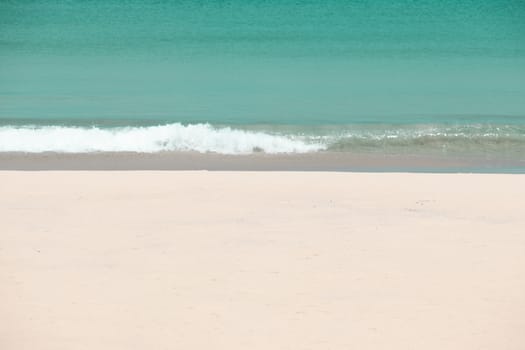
{"x":172,"y":137}
{"x":480,"y":138}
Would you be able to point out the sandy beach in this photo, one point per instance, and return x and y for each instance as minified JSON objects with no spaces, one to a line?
{"x":261,"y":260}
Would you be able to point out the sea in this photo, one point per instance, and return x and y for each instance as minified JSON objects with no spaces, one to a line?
{"x":243,"y":76}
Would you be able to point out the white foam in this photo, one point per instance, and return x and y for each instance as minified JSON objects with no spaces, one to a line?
{"x":171,"y":137}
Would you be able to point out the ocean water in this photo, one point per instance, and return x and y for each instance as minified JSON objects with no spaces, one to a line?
{"x":243,"y":76}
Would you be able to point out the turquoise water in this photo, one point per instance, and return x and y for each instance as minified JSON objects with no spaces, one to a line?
{"x":241,"y":76}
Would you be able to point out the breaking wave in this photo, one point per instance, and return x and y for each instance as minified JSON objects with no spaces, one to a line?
{"x":148,"y":139}
{"x":477,"y":138}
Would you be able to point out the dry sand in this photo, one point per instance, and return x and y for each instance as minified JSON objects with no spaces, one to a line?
{"x":251,"y":260}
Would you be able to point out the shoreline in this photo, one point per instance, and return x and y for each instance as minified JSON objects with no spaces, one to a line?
{"x":315,"y":161}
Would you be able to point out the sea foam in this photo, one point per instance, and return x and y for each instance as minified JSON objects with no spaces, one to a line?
{"x":148,"y":139}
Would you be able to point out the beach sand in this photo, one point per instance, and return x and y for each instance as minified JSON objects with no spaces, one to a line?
{"x":261,"y":260}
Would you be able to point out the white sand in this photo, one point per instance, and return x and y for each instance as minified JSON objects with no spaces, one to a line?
{"x":199,"y":260}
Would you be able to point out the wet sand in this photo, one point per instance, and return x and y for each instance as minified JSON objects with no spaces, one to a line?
{"x":319,"y":161}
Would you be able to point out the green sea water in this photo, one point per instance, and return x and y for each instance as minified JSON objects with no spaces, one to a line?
{"x":235,"y":76}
